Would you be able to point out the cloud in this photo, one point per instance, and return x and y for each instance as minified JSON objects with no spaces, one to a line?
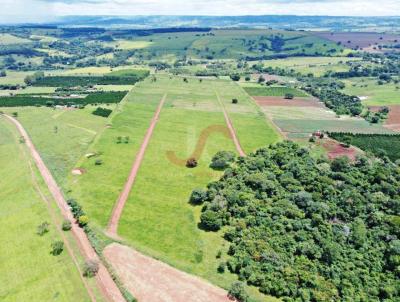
{"x":45,"y":10}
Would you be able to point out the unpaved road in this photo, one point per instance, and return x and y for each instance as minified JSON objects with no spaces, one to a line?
{"x":120,"y":204}
{"x":150,"y":280}
{"x":231,"y":128}
{"x":103,"y":278}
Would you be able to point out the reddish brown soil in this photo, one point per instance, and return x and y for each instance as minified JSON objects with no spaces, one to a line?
{"x":151,"y":280}
{"x":359,"y":39}
{"x":280,"y":101}
{"x":393,"y":121}
{"x":123,"y":197}
{"x":103,"y":278}
{"x":231,"y":129}
{"x":335,"y":149}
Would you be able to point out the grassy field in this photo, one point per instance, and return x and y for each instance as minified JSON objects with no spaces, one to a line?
{"x":158,"y":219}
{"x":7,"y":39}
{"x":315,"y":65}
{"x":274,"y":91}
{"x":372,"y":93}
{"x":28,"y":272}
{"x":14,"y":77}
{"x":127,"y":44}
{"x":62,"y":147}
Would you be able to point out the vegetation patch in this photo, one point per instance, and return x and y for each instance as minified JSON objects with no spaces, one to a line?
{"x":289,"y":224}
{"x":74,"y":81}
{"x":104,"y":112}
{"x":379,"y":144}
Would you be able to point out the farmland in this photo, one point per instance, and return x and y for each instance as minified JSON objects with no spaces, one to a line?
{"x":23,"y":210}
{"x":274,"y":91}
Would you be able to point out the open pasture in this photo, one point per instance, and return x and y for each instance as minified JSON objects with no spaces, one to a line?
{"x":8,"y":39}
{"x":157,"y":218}
{"x":28,"y":271}
{"x":371,"y":93}
{"x":266,"y":101}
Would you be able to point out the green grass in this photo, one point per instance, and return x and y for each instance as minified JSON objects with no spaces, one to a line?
{"x":127,"y":44}
{"x":372,"y":93}
{"x":28,"y":272}
{"x":274,"y":91}
{"x":315,"y":65}
{"x":7,"y":39}
{"x":157,"y":218}
{"x":76,"y":129}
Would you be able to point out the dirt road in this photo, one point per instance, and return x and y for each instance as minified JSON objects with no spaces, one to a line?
{"x":231,"y":128}
{"x":103,"y":278}
{"x":120,"y":204}
{"x":150,"y":280}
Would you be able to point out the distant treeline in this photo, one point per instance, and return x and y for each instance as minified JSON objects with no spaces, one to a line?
{"x":93,"y":98}
{"x":73,"y":81}
{"x":379,"y":144}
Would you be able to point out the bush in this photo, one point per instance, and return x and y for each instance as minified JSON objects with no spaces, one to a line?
{"x":237,"y":291}
{"x":90,"y":268}
{"x":191,"y":163}
{"x":98,"y":162}
{"x":198,"y":196}
{"x":66,"y":225}
{"x":222,"y":160}
{"x":104,"y":112}
{"x":57,"y":248}
{"x":289,"y":96}
{"x":83,"y":220}
{"x":235,"y":77}
{"x":210,"y":221}
{"x":43,"y":228}
{"x":235,"y":101}
{"x":221,"y":267}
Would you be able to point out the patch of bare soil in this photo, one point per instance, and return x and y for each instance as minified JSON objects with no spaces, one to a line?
{"x":393,"y":120}
{"x":78,"y":171}
{"x":280,"y":101}
{"x":336,"y":149}
{"x":150,"y":280}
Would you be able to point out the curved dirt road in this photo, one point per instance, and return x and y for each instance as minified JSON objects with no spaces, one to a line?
{"x":231,"y":128}
{"x":123,"y":197}
{"x":103,"y":278}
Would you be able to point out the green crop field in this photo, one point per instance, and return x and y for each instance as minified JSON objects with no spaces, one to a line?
{"x":61,"y":136}
{"x":159,"y":223}
{"x":28,"y":272}
{"x":274,"y":91}
{"x":372,"y":93}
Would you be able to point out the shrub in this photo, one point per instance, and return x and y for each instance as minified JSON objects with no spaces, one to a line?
{"x":66,"y":225}
{"x":289,"y":96}
{"x":104,"y":112}
{"x":222,"y":160}
{"x":235,"y":101}
{"x":90,"y":268}
{"x":210,"y":221}
{"x":191,"y":163}
{"x":83,"y":220}
{"x":43,"y":228}
{"x":247,"y":78}
{"x":15,"y":114}
{"x":235,"y":77}
{"x":198,"y":196}
{"x":57,"y":248}
{"x":221,"y":268}
{"x":237,"y":291}
{"x":98,"y":162}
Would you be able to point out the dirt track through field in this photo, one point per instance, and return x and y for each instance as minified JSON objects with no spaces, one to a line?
{"x":231,"y":128}
{"x":151,"y":280}
{"x":123,"y":197}
{"x":105,"y":282}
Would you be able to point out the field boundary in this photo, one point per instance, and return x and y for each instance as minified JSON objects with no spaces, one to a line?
{"x":230,"y":127}
{"x":112,"y":227}
{"x":104,"y":279}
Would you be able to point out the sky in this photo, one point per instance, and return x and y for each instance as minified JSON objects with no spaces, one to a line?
{"x":46,"y":10}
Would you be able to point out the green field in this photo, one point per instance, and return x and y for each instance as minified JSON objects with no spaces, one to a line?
{"x":158,"y":219}
{"x":60,"y":149}
{"x":372,"y":93}
{"x":7,"y":39}
{"x":315,"y":65}
{"x":274,"y":91}
{"x":28,"y":272}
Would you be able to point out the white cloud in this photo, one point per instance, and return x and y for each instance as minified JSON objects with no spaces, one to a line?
{"x":44,"y":10}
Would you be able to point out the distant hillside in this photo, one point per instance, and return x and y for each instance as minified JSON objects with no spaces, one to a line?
{"x":274,"y":21}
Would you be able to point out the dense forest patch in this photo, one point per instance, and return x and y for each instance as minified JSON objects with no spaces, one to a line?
{"x":47,"y":100}
{"x":379,"y":144}
{"x":309,"y":230}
